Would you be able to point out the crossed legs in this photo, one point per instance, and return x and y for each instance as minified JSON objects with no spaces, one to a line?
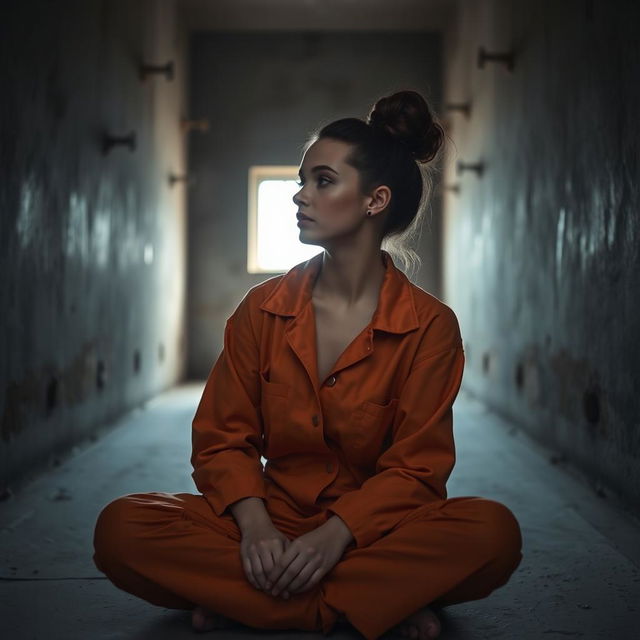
{"x":173,"y":551}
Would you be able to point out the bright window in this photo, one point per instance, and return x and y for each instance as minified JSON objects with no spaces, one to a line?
{"x":273,"y":230}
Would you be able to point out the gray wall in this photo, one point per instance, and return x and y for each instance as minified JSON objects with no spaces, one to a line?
{"x":76,"y":293}
{"x":542,"y":260}
{"x":263,"y":93}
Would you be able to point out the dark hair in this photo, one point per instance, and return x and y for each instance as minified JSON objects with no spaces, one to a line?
{"x":400,"y":132}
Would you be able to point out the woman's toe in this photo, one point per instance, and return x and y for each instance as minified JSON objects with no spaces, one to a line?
{"x":432,"y":626}
{"x":201,"y":621}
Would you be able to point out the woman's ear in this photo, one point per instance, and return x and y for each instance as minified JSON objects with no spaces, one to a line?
{"x":379,"y":200}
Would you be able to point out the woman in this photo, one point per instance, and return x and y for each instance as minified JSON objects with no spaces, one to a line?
{"x":342,"y":374}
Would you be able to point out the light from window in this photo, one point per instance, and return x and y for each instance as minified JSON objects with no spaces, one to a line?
{"x":273,"y":236}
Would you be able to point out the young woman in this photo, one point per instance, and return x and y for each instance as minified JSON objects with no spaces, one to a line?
{"x":342,"y":374}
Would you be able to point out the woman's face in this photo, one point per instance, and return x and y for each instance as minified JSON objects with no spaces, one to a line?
{"x":330,"y":193}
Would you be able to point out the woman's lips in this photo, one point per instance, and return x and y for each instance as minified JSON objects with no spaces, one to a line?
{"x":302,"y":218}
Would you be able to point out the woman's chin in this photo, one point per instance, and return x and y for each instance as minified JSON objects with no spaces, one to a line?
{"x":305,"y":238}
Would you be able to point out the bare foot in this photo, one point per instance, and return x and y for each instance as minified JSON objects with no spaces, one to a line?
{"x":204,"y":620}
{"x":423,"y":624}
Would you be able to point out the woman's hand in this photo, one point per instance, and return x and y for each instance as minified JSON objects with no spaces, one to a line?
{"x":308,"y":559}
{"x":261,"y":548}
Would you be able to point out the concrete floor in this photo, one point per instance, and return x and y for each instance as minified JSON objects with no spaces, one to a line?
{"x":579,"y":576}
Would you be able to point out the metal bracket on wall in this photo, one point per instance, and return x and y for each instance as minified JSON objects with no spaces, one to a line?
{"x":197,"y":125}
{"x":478,"y":167}
{"x":452,"y":187}
{"x":465,"y":107}
{"x":109,"y":141}
{"x":507,"y":58}
{"x":148,"y":69}
{"x":173,"y":178}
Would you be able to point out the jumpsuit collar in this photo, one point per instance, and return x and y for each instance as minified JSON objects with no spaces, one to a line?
{"x":395,"y":313}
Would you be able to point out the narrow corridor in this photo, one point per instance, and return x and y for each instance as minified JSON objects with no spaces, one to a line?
{"x":157,"y":167}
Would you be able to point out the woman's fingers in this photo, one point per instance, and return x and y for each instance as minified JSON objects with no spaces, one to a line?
{"x":257,"y":569}
{"x":266,"y":555}
{"x":259,"y":562}
{"x":248,"y":570}
{"x":277,"y":559}
{"x":305,"y":574}
{"x":290,"y":574}
{"x":307,"y":582}
{"x":261,"y":549}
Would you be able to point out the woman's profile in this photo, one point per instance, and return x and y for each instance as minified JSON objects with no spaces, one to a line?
{"x":341,"y":374}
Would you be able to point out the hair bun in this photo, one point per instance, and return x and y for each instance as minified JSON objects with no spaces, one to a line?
{"x":406,"y":116}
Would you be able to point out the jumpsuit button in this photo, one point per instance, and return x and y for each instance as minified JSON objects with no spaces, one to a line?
{"x":329,"y":467}
{"x":315,"y":420}
{"x":331,"y":381}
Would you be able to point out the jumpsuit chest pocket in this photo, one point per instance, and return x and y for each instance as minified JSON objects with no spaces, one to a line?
{"x":274,"y":407}
{"x":371,"y":426}
{"x":269,"y":388}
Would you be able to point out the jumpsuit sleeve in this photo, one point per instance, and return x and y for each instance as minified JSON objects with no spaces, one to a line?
{"x":415,"y":468}
{"x":227,"y":429}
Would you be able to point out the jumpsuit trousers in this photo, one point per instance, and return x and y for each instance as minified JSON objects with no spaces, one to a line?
{"x":172,"y":550}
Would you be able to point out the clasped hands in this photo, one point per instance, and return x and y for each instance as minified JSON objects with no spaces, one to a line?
{"x":278,"y":565}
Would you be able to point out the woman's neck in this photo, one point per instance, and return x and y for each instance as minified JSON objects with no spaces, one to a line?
{"x":350,"y":278}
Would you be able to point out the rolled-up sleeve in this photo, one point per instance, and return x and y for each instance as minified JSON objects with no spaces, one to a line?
{"x":415,"y":468}
{"x":227,"y":427}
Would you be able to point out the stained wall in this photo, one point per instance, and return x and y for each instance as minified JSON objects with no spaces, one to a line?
{"x":92,"y":244}
{"x":542,"y":248}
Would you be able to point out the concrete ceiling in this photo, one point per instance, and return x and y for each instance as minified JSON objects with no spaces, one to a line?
{"x":317,"y":15}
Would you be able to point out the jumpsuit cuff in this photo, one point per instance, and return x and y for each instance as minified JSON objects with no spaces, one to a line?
{"x":362,"y":534}
{"x":222,"y":496}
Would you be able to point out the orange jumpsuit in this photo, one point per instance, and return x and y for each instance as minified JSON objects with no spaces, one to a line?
{"x":372,"y":444}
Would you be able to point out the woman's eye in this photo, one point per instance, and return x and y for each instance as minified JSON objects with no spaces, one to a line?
{"x":320,"y":179}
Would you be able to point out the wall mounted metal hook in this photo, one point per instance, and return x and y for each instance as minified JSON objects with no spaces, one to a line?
{"x":478,"y":167}
{"x":452,"y":187}
{"x":173,"y":178}
{"x":465,"y":107}
{"x":166,"y":70}
{"x":109,"y":141}
{"x":507,"y":58}
{"x":198,"y":125}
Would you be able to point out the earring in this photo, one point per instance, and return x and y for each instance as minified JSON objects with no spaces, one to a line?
{"x":368,"y":213}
